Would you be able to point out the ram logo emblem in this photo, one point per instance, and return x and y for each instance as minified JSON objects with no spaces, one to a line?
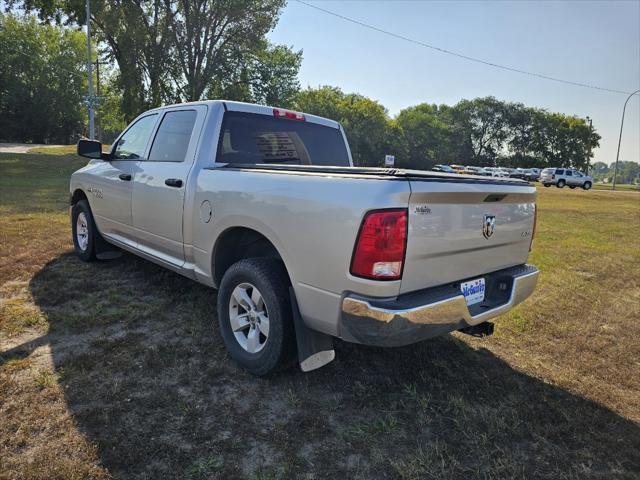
{"x":488,"y":225}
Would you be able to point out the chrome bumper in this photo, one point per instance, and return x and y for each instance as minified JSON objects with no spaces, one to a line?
{"x":420,"y":315}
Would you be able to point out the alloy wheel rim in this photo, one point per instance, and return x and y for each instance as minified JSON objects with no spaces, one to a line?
{"x":82,"y":231}
{"x":249,"y":317}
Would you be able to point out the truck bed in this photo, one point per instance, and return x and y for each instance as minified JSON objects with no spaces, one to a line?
{"x":377,"y":172}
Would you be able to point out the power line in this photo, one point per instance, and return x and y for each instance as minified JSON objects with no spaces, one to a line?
{"x":459,"y":55}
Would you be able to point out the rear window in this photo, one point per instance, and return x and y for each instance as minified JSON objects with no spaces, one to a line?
{"x":252,"y":138}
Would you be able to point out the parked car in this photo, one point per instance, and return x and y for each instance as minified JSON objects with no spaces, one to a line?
{"x":532,"y":174}
{"x":473,"y":170}
{"x":443,"y":168}
{"x":517,"y":173}
{"x":499,"y":172}
{"x":565,"y":176}
{"x":265,"y":205}
{"x":496,"y":172}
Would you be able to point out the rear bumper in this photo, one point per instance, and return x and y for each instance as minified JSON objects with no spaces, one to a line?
{"x":429,"y":313}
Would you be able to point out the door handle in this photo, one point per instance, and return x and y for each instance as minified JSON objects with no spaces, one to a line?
{"x":173,"y":182}
{"x":125,"y":176}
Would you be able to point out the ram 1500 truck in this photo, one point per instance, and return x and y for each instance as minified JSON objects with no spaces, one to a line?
{"x":265,"y":205}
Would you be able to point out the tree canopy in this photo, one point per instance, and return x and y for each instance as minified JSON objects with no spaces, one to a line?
{"x":484,"y":132}
{"x":180,"y":50}
{"x":42,"y":81}
{"x":169,"y":51}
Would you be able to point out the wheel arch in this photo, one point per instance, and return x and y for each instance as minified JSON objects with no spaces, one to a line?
{"x":237,"y":243}
{"x":77,"y":195}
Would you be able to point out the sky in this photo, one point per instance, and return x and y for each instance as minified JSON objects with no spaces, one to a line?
{"x":591,"y":42}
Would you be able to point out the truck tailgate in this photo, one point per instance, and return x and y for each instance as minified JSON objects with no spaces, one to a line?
{"x":461,"y":229}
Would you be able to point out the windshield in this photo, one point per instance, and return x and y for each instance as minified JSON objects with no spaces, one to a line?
{"x":250,"y":138}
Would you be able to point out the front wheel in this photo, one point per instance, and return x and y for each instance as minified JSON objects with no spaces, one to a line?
{"x":587,"y":185}
{"x":546,"y":185}
{"x":255,"y":316}
{"x":84,"y":231}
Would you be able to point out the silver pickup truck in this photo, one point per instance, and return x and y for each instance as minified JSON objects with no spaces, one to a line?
{"x":265,"y":205}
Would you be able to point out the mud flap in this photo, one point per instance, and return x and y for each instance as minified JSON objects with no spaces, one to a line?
{"x":315,"y":349}
{"x":104,"y":250}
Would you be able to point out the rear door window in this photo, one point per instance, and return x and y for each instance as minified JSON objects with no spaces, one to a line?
{"x":568,"y":174}
{"x":249,"y":138}
{"x":173,"y":136}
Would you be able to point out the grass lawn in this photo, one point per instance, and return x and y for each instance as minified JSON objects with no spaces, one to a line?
{"x":116,"y":369}
{"x":623,"y":187}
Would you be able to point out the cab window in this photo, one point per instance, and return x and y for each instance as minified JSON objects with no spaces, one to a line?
{"x":132,"y":144}
{"x":249,"y":138}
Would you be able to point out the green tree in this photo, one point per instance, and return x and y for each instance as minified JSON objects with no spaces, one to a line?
{"x":180,"y":50}
{"x":425,"y":136}
{"x":365,"y":121}
{"x":269,"y":77}
{"x":565,"y":141}
{"x":42,"y":80}
{"x":483,"y":122}
{"x":628,"y":172}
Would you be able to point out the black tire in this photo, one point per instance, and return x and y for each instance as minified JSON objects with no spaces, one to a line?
{"x":587,"y":186}
{"x":270,"y":278}
{"x":547,"y":185}
{"x":572,"y":187}
{"x":88,"y":253}
{"x":561,"y":184}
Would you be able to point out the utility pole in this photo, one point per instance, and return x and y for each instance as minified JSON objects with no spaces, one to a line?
{"x":90,"y":97}
{"x":98,"y":122}
{"x":615,"y":171}
{"x":590,"y":120}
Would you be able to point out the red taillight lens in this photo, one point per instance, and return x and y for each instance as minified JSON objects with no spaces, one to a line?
{"x":381,"y":244}
{"x":281,"y":113}
{"x":535,"y":222}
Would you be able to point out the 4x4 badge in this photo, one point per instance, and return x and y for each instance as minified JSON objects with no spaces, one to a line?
{"x":488,"y":225}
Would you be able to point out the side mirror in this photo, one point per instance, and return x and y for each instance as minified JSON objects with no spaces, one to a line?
{"x":89,"y":149}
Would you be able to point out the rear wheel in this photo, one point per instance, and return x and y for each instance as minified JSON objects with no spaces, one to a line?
{"x":84,"y":231}
{"x":587,"y":185}
{"x":547,"y":185}
{"x":254,"y":312}
{"x":561,"y":184}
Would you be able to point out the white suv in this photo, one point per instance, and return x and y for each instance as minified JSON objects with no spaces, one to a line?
{"x":565,"y":176}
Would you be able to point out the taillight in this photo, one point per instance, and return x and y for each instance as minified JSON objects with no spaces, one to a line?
{"x":291,"y":115}
{"x":380,"y":246}
{"x":535,"y":222}
{"x":553,"y":177}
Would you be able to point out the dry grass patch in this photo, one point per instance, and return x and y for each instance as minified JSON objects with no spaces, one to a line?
{"x":122,"y":373}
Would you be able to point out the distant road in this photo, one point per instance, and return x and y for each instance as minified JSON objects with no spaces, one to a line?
{"x":22,"y":147}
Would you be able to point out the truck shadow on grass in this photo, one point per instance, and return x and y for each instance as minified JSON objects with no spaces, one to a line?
{"x":148,"y":381}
